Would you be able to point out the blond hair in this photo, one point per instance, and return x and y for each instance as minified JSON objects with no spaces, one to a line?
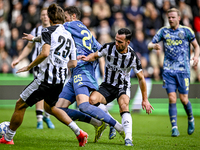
{"x":174,"y":10}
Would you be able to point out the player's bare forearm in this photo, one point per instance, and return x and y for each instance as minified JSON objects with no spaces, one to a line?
{"x":152,"y":46}
{"x":30,"y":37}
{"x":72,"y":64}
{"x":196,"y":52}
{"x":91,"y":57}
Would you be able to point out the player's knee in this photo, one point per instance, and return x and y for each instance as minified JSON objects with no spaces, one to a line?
{"x":20,"y":104}
{"x":93,"y":100}
{"x":124,"y":107}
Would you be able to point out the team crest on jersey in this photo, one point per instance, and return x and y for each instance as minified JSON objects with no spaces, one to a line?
{"x":45,"y":30}
{"x":181,"y":35}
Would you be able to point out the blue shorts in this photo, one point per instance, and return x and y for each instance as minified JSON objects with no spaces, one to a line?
{"x":174,"y":81}
{"x":81,"y":82}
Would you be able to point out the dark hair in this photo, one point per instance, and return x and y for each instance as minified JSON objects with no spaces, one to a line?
{"x":125,"y":31}
{"x":56,"y":14}
{"x":73,"y":10}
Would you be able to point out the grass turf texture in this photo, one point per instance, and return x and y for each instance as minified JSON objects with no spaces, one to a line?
{"x":151,"y":132}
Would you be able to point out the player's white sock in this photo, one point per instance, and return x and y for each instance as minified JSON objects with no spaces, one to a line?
{"x":47,"y":115}
{"x":95,"y":122}
{"x":104,"y":108}
{"x":127,"y":125}
{"x":118,"y":127}
{"x":74,"y":128}
{"x":9,"y":134}
{"x":39,"y":115}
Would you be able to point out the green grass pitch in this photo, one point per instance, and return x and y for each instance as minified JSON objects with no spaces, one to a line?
{"x":150,"y":132}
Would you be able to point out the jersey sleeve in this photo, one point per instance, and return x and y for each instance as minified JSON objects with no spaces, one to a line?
{"x":73,"y":54}
{"x":190,"y":34}
{"x":96,"y":45}
{"x":158,"y":37}
{"x":46,"y":36}
{"x":103,"y":51}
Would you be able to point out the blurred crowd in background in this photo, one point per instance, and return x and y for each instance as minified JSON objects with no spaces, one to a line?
{"x":103,"y":17}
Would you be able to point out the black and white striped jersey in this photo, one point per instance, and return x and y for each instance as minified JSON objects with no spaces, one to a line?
{"x":118,"y":66}
{"x":54,"y":68}
{"x":37,"y":48}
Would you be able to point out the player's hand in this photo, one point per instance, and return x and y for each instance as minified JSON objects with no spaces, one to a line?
{"x":82,"y":57}
{"x":28,"y":37}
{"x":27,"y":68}
{"x":157,"y":47}
{"x":146,"y":105}
{"x":195,"y":61}
{"x":14,"y":63}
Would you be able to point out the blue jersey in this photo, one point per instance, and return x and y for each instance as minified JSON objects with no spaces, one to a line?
{"x":85,"y":42}
{"x":176,"y":47}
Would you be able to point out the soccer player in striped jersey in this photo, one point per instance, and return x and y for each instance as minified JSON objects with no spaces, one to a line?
{"x":57,"y":48}
{"x":36,"y":48}
{"x":176,"y":74}
{"x":120,"y":59}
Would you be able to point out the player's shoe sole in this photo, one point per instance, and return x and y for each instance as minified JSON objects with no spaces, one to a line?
{"x":3,"y":141}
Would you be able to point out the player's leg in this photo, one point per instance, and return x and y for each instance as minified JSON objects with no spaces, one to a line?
{"x":112,"y":132}
{"x":64,"y":118}
{"x":183,"y":88}
{"x":15,"y":122}
{"x":170,"y":83}
{"x":39,"y":114}
{"x":51,"y":98}
{"x":27,"y":98}
{"x":173,"y":113}
{"x":123,"y":102}
{"x":188,"y":108}
{"x":95,"y":99}
{"x":66,"y":98}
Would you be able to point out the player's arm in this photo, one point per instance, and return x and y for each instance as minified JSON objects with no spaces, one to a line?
{"x":142,"y":83}
{"x":196,"y":52}
{"x":90,"y":57}
{"x":26,"y":51}
{"x":155,"y":46}
{"x":30,"y":37}
{"x":41,"y":57}
{"x":72,"y":64}
{"x":102,"y":65}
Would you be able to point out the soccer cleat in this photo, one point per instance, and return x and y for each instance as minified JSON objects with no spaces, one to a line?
{"x":175,"y":132}
{"x":82,"y":138}
{"x":128,"y":142}
{"x":3,"y":141}
{"x":112,"y":133}
{"x":40,"y":125}
{"x":49,"y":123}
{"x":99,"y":131}
{"x":191,"y":126}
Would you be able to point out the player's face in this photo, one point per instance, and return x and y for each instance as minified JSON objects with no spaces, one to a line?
{"x":173,"y":19}
{"x":44,"y":17}
{"x":68,"y":17}
{"x":121,"y":43}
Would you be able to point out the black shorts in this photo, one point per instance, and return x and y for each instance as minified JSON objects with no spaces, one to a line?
{"x":111,"y":92}
{"x":37,"y":91}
